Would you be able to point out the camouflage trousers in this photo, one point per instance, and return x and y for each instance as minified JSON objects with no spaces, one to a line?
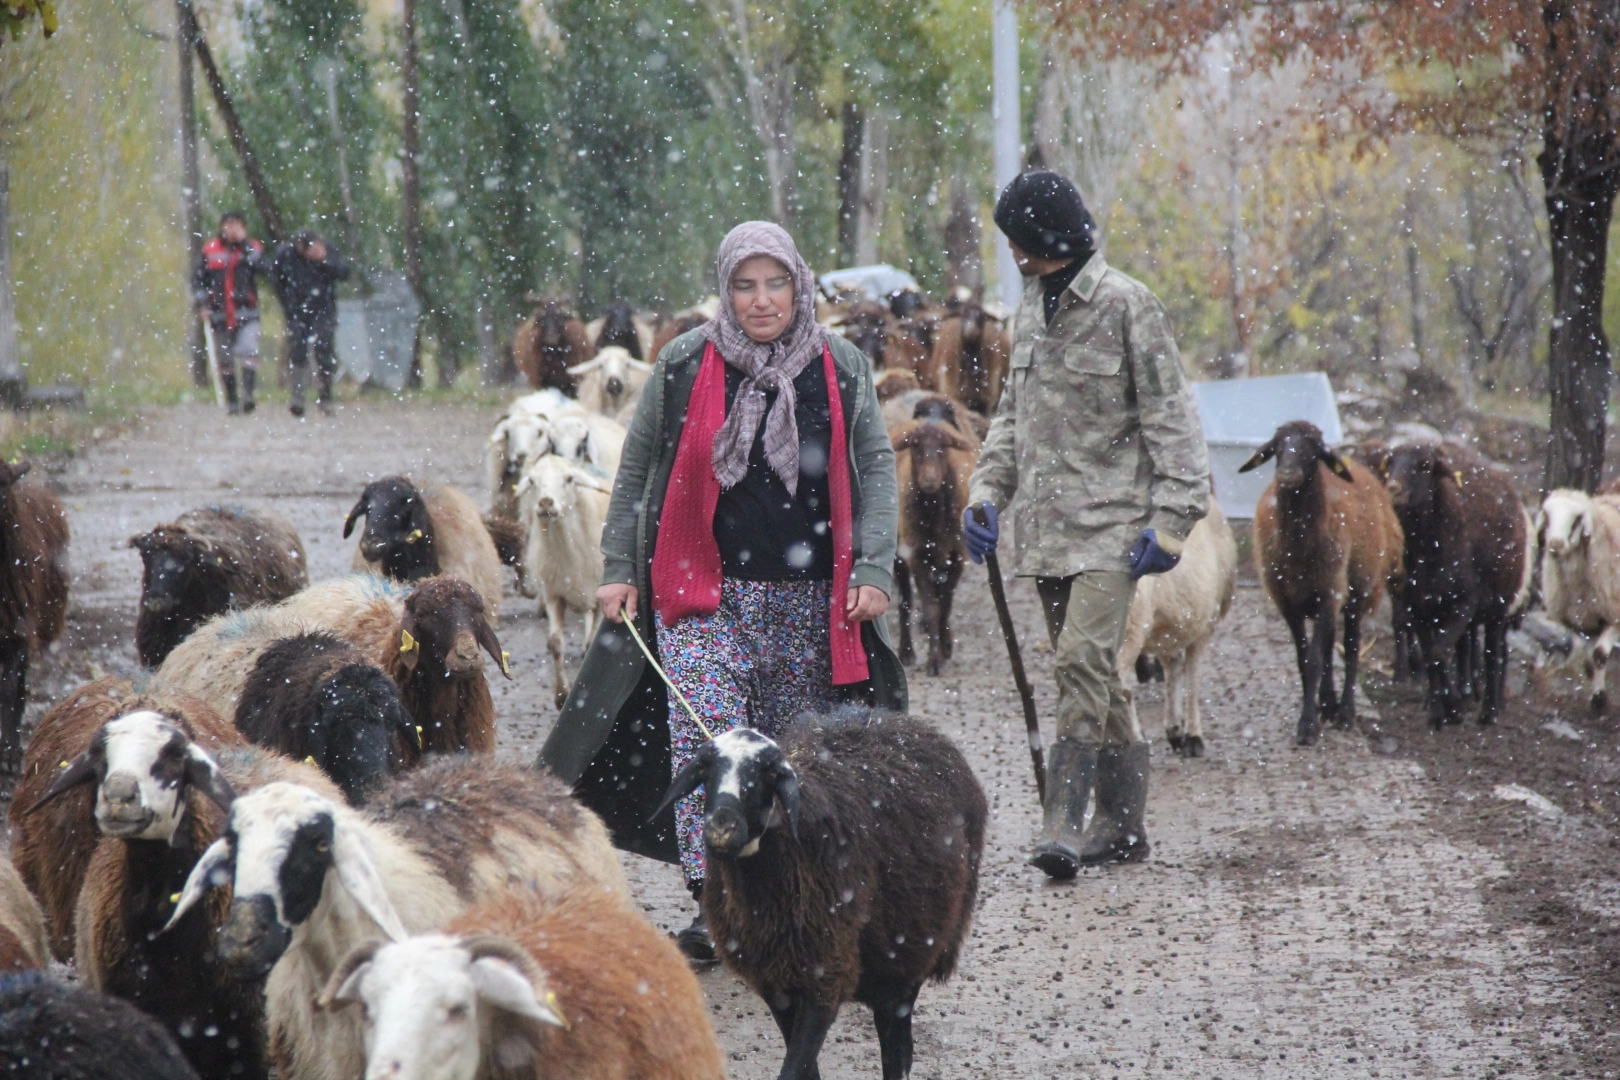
{"x":1085,"y":618}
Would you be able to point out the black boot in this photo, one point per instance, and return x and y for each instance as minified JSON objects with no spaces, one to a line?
{"x":694,"y":942}
{"x":1118,"y":830}
{"x":250,"y":379}
{"x":1070,"y":769}
{"x":323,"y":395}
{"x":228,"y":379}
{"x":300,"y":380}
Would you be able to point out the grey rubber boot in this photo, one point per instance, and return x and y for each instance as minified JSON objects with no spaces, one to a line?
{"x":1118,"y":830}
{"x":1070,"y":768}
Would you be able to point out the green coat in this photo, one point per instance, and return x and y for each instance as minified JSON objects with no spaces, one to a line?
{"x":611,"y":740}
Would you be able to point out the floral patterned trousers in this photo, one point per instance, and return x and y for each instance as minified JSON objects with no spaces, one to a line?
{"x":760,"y":660}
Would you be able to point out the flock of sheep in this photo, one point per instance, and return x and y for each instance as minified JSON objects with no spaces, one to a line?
{"x":287,"y":848}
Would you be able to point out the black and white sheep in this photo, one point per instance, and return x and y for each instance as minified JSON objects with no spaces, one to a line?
{"x":312,"y":879}
{"x":843,"y":865}
{"x":33,"y":593}
{"x":316,"y":696}
{"x":412,"y":533}
{"x":209,"y":561}
{"x":54,"y":1031}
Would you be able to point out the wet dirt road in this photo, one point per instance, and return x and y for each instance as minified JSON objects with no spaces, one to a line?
{"x":1331,"y":912}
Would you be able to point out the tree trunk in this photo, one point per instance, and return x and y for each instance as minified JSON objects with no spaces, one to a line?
{"x":964,"y":259}
{"x":849,"y":182}
{"x":410,"y":182}
{"x":1578,"y":372}
{"x":340,"y":141}
{"x":13,"y":384}
{"x":190,"y":186}
{"x":874,"y":190}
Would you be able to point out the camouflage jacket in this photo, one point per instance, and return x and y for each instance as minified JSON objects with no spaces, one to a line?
{"x":1097,"y":434}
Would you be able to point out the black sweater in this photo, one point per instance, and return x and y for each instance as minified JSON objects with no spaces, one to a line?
{"x":764,"y":533}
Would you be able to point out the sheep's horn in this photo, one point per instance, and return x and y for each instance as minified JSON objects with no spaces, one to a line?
{"x":336,"y":992}
{"x":81,"y":770}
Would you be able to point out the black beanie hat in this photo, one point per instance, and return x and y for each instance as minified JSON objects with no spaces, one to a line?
{"x":1041,"y":211}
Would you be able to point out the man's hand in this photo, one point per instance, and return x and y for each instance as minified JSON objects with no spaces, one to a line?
{"x":617,"y":601}
{"x":862,"y":604}
{"x":1150,"y":555}
{"x":980,"y":539}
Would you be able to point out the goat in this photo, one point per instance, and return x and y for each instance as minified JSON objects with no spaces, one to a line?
{"x":316,"y":696}
{"x":549,"y":342}
{"x":1580,"y":574}
{"x":1173,"y":617}
{"x":427,"y":639}
{"x":584,"y":989}
{"x":54,"y":1031}
{"x":843,"y":865}
{"x":412,"y":533}
{"x":33,"y":593}
{"x":312,"y":879}
{"x":1466,"y":549}
{"x":133,"y":880}
{"x":970,"y":358}
{"x":622,"y":328}
{"x":53,"y":830}
{"x":610,"y":381}
{"x":588,"y":438}
{"x":932,"y":463}
{"x":23,"y":944}
{"x":207,"y":562}
{"x":563,"y":509}
{"x":1326,"y":543}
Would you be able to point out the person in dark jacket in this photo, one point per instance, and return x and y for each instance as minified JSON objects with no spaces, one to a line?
{"x":306,"y":272}
{"x":224,"y":286}
{"x":754,"y":519}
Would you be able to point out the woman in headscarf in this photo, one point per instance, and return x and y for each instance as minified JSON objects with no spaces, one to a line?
{"x":755,"y":507}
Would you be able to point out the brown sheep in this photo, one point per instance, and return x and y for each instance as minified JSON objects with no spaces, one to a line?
{"x":549,"y":342}
{"x":584,"y":989}
{"x":33,"y":593}
{"x":932,"y":462}
{"x":23,"y":943}
{"x":52,"y":846}
{"x":206,"y":562}
{"x":891,"y":384}
{"x":970,"y":357}
{"x":1326,"y":543}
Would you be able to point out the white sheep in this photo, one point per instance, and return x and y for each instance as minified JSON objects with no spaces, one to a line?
{"x":1173,"y":617}
{"x":520,"y":437}
{"x":1580,"y":574}
{"x":610,"y":380}
{"x":562,"y":507}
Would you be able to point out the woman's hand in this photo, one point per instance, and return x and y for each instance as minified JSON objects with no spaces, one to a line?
{"x":617,"y":601}
{"x":863,"y":603}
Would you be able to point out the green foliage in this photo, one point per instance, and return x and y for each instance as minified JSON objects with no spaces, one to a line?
{"x":15,"y":15}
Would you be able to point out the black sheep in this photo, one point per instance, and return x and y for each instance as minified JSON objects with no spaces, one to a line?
{"x":843,"y":865}
{"x":54,"y":1031}
{"x":316,"y":696}
{"x":206,"y":562}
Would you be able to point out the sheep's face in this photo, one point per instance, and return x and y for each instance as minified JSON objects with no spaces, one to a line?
{"x":749,"y":787}
{"x":431,"y":1004}
{"x":930,"y":444}
{"x":445,"y":624}
{"x":142,"y":765}
{"x":10,"y":474}
{"x":1565,"y":521}
{"x":358,"y":717}
{"x":172,"y":562}
{"x":398,"y":532}
{"x":1297,"y":447}
{"x":1413,"y":476}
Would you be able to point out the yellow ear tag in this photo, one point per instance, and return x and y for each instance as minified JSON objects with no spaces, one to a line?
{"x":555,"y":1006}
{"x":174,"y":898}
{"x":63,"y":765}
{"x":310,"y":761}
{"x":416,"y":534}
{"x":406,"y":642}
{"x":506,"y":658}
{"x":1458,"y":475}
{"x":419,"y":736}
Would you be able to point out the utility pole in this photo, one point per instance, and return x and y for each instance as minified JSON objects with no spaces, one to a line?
{"x":1004,"y":113}
{"x":190,"y":183}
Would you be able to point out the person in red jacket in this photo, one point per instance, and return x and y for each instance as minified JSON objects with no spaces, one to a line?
{"x":225,"y":290}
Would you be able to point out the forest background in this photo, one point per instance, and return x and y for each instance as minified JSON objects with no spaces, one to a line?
{"x":599,"y":149}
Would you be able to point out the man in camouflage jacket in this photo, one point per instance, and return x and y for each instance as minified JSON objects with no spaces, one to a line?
{"x":1098,"y":438}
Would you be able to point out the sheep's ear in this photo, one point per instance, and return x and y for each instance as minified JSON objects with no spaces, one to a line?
{"x":492,"y":644}
{"x":356,"y":514}
{"x":343,"y":988}
{"x":588,"y":366}
{"x":1336,"y":463}
{"x":81,"y":770}
{"x":202,"y":773}
{"x":500,"y":984}
{"x":1261,"y":456}
{"x":421,"y":522}
{"x":787,"y":793}
{"x":20,"y":470}
{"x":640,"y":365}
{"x":687,"y":780}
{"x":358,"y":875}
{"x":142,"y":543}
{"x":955,"y":440}
{"x":218,"y":857}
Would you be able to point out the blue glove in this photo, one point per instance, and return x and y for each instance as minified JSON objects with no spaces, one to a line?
{"x":1147,"y":557}
{"x":980,"y":539}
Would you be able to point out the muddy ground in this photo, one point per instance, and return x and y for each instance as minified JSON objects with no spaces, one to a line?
{"x":1362,"y":908}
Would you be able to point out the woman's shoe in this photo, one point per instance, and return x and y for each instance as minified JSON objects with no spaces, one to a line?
{"x":695,"y":943}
